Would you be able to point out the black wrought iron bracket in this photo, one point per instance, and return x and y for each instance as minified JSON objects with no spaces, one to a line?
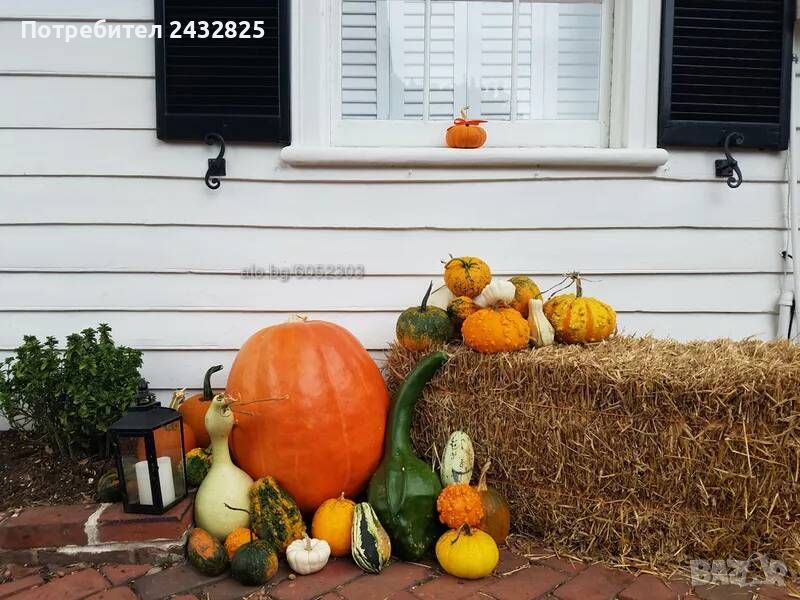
{"x":216,"y":166}
{"x":729,"y":166}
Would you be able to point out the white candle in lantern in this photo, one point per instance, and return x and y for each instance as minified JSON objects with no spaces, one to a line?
{"x":164,"y":480}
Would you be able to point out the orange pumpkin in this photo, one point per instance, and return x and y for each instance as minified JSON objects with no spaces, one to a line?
{"x":466,"y":133}
{"x":333,"y":522}
{"x":326,"y":436}
{"x":238,"y":538}
{"x":497,"y":513}
{"x":458,"y":504}
{"x":164,"y":436}
{"x":194,"y":409}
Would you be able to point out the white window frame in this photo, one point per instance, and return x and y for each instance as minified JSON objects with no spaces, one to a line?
{"x":517,"y":134}
{"x":317,"y":139}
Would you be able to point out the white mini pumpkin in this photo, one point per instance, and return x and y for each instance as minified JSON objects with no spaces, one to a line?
{"x":308,"y":555}
{"x":497,"y":292}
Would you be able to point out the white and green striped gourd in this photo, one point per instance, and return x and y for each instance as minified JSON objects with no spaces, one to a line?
{"x":371,"y":547}
{"x":458,"y":459}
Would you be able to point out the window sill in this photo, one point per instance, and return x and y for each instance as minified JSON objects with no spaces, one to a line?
{"x":581,"y":158}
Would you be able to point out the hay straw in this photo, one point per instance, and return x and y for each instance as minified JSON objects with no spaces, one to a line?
{"x":636,"y":451}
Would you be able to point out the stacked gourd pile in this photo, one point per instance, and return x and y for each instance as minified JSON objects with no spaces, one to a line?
{"x":252,"y":497}
{"x":495,"y":315}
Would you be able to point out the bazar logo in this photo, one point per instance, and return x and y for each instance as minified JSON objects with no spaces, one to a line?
{"x":757,"y":570}
{"x":309,"y":271}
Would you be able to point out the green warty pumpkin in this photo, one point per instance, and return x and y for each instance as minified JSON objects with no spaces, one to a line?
{"x":255,"y":563}
{"x":198,"y":463}
{"x":274,"y":515}
{"x":108,"y":487}
{"x":422,"y":327}
{"x":370,"y":544}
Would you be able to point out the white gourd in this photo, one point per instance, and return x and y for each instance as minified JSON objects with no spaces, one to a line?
{"x":458,"y":459}
{"x":497,"y":292}
{"x":441,"y":297}
{"x":225,"y":483}
{"x":308,"y":555}
{"x":542,"y":332}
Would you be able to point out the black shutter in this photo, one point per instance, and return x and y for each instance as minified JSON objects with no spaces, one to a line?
{"x":237,"y":87}
{"x":726,"y":66}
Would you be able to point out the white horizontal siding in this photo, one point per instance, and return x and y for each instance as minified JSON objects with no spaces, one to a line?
{"x":115,"y":102}
{"x":389,"y":251}
{"x":217,"y":292}
{"x":104,"y":223}
{"x":562,"y":204}
{"x":227,"y":331}
{"x":77,"y":9}
{"x":118,"y":56}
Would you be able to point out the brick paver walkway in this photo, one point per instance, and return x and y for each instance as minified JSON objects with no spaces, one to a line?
{"x":516,"y":578}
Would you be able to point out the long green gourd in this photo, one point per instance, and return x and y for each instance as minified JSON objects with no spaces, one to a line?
{"x":404,"y":489}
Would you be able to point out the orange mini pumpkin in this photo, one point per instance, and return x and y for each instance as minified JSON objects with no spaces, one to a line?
{"x":333,"y":522}
{"x":460,"y":504}
{"x":466,"y":275}
{"x":459,"y":309}
{"x":497,"y":513}
{"x":238,"y":538}
{"x":496,"y":330}
{"x":466,"y":133}
{"x":526,"y":290}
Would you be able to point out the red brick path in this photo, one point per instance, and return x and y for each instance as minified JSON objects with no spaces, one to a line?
{"x":516,"y":578}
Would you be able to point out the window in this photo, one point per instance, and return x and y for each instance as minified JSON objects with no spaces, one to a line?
{"x":538,"y":71}
{"x":345,"y":97}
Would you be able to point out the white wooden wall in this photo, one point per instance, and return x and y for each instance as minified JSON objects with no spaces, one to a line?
{"x":99,"y":221}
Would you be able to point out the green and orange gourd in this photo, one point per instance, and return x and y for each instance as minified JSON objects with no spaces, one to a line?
{"x":423,"y":327}
{"x":206,"y":553}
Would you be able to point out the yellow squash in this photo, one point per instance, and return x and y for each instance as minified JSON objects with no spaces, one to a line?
{"x":467,"y":553}
{"x":580,"y":320}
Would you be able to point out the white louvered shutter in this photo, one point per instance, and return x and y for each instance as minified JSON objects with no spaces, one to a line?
{"x":360,"y":59}
{"x":578,"y":68}
{"x":557,"y":68}
{"x":466,"y":49}
{"x":406,"y":80}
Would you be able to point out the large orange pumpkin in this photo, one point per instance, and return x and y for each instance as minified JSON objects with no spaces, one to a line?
{"x":326,"y":436}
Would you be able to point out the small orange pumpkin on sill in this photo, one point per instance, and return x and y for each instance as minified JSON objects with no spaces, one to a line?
{"x":465,"y":132}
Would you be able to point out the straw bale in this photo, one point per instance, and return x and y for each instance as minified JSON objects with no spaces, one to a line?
{"x":634,"y":450}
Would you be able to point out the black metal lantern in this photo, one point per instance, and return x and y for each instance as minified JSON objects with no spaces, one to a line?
{"x":148,"y":447}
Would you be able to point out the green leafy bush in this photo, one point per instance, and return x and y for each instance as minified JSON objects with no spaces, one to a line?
{"x":69,"y":399}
